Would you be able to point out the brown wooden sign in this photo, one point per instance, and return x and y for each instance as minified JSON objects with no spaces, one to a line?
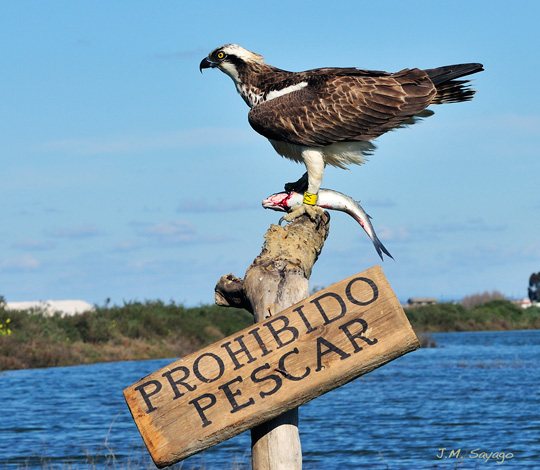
{"x":325,"y":341}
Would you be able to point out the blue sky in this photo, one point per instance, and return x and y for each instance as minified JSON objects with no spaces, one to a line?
{"x":126,"y":174}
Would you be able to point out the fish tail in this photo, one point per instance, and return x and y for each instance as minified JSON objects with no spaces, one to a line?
{"x":381,"y":248}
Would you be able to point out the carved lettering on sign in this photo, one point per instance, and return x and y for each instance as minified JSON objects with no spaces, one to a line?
{"x":324,"y":341}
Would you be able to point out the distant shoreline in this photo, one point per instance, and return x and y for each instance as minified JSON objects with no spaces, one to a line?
{"x":153,"y":330}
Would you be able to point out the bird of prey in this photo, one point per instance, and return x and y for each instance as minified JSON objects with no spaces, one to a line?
{"x":332,"y":115}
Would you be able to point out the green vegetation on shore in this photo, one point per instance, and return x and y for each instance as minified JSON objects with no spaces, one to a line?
{"x":133,"y":331}
{"x":154,"y":329}
{"x":492,"y":315}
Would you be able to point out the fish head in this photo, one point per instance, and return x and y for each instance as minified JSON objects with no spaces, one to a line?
{"x":283,"y":201}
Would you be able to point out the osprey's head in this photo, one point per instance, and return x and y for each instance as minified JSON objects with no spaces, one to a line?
{"x":231,"y":59}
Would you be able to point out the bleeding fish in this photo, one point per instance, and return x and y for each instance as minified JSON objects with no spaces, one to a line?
{"x":333,"y":200}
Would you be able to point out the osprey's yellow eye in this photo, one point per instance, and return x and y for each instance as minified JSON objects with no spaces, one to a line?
{"x":221,"y":55}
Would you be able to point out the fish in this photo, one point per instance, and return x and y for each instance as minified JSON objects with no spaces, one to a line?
{"x":286,"y":201}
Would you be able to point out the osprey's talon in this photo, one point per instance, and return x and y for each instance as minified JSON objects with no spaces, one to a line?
{"x":313,"y":212}
{"x":295,"y":213}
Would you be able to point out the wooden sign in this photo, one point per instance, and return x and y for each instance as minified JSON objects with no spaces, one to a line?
{"x":328,"y":339}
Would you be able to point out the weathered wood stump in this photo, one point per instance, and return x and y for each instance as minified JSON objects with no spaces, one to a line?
{"x":277,"y":279}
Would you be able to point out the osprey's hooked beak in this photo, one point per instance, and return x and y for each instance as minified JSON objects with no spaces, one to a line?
{"x":206,"y":64}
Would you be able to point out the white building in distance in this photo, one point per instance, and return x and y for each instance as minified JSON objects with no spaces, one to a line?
{"x":50,"y":307}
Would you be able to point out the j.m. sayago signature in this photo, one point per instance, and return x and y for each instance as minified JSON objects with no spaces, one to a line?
{"x":485,"y":455}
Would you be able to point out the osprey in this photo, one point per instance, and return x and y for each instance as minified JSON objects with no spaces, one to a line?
{"x":331,"y":115}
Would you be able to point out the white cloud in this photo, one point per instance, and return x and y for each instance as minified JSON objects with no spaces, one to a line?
{"x":502,"y":124}
{"x":175,"y":232}
{"x":126,"y":245}
{"x":156,"y":141}
{"x":434,"y":231}
{"x":33,"y":245}
{"x":386,"y":203}
{"x":186,"y":54}
{"x":476,"y":224}
{"x":20,"y":263}
{"x":76,"y":232}
{"x":198,"y":206}
{"x":178,"y":231}
{"x":394,"y":234}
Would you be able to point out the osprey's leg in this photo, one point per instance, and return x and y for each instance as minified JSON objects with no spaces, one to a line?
{"x":315,"y":167}
{"x":314,"y":162}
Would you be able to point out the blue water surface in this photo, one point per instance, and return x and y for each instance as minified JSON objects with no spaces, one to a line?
{"x":475,"y":395}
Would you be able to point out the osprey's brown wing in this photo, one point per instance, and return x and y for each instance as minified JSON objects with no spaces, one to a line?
{"x":337,"y":108}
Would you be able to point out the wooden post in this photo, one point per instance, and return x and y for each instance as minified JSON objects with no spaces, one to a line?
{"x":277,"y":279}
{"x":253,"y":378}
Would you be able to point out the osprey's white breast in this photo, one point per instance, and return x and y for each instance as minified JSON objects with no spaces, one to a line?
{"x":338,"y":154}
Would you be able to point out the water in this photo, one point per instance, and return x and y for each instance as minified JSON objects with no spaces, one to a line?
{"x":478,"y":392}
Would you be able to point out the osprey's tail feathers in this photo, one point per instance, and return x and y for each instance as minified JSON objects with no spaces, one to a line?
{"x":450,"y":72}
{"x":450,"y":90}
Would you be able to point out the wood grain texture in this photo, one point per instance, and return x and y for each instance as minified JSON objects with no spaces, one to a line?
{"x":277,"y":279}
{"x":265,"y":370}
